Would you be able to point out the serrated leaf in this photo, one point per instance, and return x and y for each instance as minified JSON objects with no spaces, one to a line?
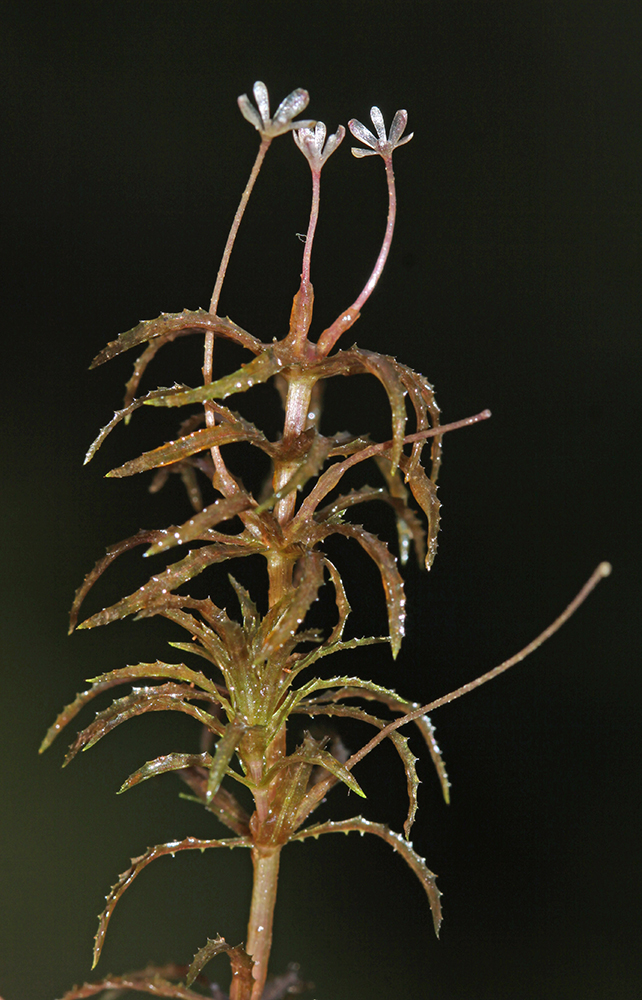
{"x":175,"y":671}
{"x":160,"y":765}
{"x":328,"y":649}
{"x":259,"y":370}
{"x":397,"y":842}
{"x":354,"y":687}
{"x":384,"y":369}
{"x":168,"y":325}
{"x":120,"y":415}
{"x":422,"y":396}
{"x":151,"y":594}
{"x":281,"y":623}
{"x":324,"y":759}
{"x":160,"y":698}
{"x":341,"y":601}
{"x":425,"y":493}
{"x":225,"y":750}
{"x":409,"y":528}
{"x":112,"y":553}
{"x":152,"y":982}
{"x":239,"y":960}
{"x":176,"y":451}
{"x":138,"y":864}
{"x":221,"y":510}
{"x":311,"y":752}
{"x":401,"y":745}
{"x":427,"y":730}
{"x":249,"y":610}
{"x":391,"y":578}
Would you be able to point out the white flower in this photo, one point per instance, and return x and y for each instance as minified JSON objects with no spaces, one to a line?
{"x":311,"y":143}
{"x":282,"y":120}
{"x":380,"y":145}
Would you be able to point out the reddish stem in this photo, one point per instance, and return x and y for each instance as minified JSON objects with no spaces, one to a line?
{"x":329,"y":337}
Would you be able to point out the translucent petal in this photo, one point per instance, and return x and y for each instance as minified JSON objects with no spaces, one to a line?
{"x":320,"y":133}
{"x":291,"y":106}
{"x":399,"y":123}
{"x":378,"y":122}
{"x":406,"y":138}
{"x":262,"y":101}
{"x":302,"y":136}
{"x":363,"y":152}
{"x":362,"y":133}
{"x":249,"y":112}
{"x":334,"y":141}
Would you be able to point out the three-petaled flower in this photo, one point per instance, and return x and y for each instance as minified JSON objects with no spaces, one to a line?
{"x":313,"y":144}
{"x":381,"y":144}
{"x":281,"y":122}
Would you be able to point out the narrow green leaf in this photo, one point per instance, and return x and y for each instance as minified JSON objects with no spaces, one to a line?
{"x":160,"y":698}
{"x":409,"y":528}
{"x":322,"y":758}
{"x":422,"y":396}
{"x":401,"y":745}
{"x":175,"y":671}
{"x":225,"y":750}
{"x":249,"y":610}
{"x":354,"y":687}
{"x":262,"y":368}
{"x":160,"y":765}
{"x":282,"y":622}
{"x":119,"y":415}
{"x":341,"y":601}
{"x":330,"y":648}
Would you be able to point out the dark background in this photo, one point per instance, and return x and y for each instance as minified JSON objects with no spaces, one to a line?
{"x":513,"y":283}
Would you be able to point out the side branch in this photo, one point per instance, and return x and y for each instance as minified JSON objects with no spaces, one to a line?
{"x":602,"y":571}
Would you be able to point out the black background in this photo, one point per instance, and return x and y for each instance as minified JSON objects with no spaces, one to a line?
{"x":513,"y":283}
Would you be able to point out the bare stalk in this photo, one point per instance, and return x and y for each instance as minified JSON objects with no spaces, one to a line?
{"x":329,"y":337}
{"x":259,"y":942}
{"x":601,"y":571}
{"x":226,"y":481}
{"x":321,"y":789}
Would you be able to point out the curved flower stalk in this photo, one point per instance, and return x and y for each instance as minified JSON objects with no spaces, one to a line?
{"x":256,"y":669}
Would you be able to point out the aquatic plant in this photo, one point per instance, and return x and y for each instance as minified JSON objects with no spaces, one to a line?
{"x":257,"y":669}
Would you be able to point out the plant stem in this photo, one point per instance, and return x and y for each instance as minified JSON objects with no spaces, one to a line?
{"x":226,"y":482}
{"x":329,"y":337}
{"x":259,"y":933}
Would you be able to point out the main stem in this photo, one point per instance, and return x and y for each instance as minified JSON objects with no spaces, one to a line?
{"x":266,"y":874}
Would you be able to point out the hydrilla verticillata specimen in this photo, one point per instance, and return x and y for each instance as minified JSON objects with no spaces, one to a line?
{"x":258,"y":669}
